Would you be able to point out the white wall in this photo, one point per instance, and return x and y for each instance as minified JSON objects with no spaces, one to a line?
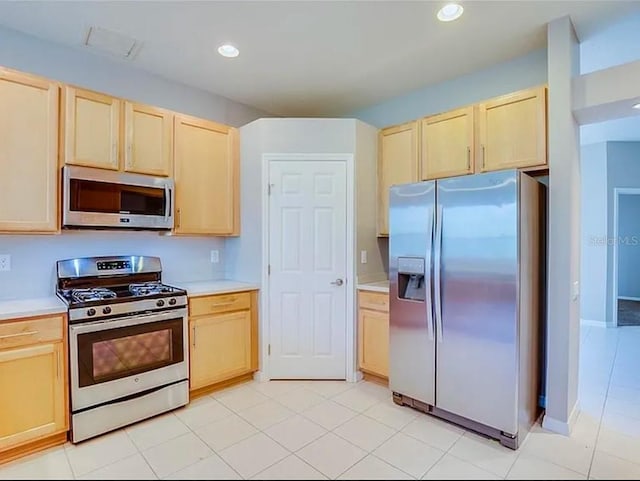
{"x":523,"y":72}
{"x":629,"y":246}
{"x":299,"y":136}
{"x":623,"y":170}
{"x":618,"y":44}
{"x":593,"y":268}
{"x":33,"y":257}
{"x":118,"y":78}
{"x":563,"y":320}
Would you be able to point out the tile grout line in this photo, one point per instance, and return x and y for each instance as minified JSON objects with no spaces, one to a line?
{"x":606,"y":398}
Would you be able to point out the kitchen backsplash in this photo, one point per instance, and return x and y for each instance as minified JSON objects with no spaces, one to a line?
{"x":33,"y":257}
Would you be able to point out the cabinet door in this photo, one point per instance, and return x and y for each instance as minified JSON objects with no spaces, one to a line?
{"x":373,"y":342}
{"x":220,"y":347}
{"x":32,"y":393}
{"x":513,"y":130}
{"x":397,"y":164}
{"x":28,"y":153}
{"x":91,"y":129}
{"x":447,"y":144}
{"x":148,"y":139}
{"x":206,"y":177}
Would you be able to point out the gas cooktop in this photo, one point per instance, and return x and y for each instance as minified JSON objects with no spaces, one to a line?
{"x":99,"y":287}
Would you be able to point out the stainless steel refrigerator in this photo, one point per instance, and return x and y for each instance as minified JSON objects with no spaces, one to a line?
{"x":464,"y":267}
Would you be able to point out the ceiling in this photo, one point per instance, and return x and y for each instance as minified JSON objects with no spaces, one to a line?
{"x":313,"y":58}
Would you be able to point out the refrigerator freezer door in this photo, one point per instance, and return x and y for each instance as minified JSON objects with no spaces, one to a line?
{"x":411,"y":329}
{"x":477,"y":361}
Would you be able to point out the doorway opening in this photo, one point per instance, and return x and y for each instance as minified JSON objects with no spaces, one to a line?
{"x":626,"y":257}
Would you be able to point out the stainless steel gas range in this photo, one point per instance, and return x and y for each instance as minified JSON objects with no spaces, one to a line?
{"x":128,"y":342}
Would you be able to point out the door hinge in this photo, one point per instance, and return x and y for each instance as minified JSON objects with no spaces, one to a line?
{"x":269,"y":189}
{"x":269,"y":269}
{"x":268,"y":349}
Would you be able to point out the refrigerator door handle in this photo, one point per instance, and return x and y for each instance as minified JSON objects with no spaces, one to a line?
{"x":427,"y":276}
{"x":436,"y":273}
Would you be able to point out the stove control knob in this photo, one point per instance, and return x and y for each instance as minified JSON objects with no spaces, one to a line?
{"x":106,"y":310}
{"x":91,"y":312}
{"x":160,"y":303}
{"x":172,"y":302}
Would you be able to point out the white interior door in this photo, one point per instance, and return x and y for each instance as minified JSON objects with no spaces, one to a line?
{"x":307,"y":258}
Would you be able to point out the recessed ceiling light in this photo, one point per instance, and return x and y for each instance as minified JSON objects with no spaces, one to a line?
{"x":636,"y":106}
{"x":228,"y":50}
{"x":450,"y":12}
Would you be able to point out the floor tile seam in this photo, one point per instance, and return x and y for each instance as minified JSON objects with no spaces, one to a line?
{"x":635,"y":463}
{"x":606,"y":397}
{"x":124,"y":459}
{"x":216,"y":453}
{"x":395,"y":431}
{"x":123,"y":430}
{"x":540,"y":458}
{"x":73,"y":473}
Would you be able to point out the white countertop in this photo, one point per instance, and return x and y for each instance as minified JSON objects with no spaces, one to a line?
{"x":380,"y":286}
{"x":221,"y":286}
{"x":41,"y":306}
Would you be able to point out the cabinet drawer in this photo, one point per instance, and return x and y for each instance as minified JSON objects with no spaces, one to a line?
{"x":30,"y":331}
{"x":221,"y":303}
{"x":373,"y":300}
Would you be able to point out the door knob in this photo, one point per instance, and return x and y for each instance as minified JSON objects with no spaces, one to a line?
{"x":337,"y":282}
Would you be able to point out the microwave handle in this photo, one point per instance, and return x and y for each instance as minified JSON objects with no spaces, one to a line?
{"x":167,"y":196}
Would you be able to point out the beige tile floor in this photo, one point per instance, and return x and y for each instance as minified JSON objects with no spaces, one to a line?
{"x":336,"y":430}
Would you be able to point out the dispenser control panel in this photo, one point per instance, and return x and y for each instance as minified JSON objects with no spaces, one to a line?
{"x":411,"y":265}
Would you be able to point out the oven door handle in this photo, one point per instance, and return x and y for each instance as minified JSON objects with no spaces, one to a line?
{"x":132,"y":320}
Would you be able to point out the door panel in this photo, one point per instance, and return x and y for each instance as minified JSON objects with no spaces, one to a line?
{"x":91,"y":129}
{"x":307,"y":252}
{"x":220,"y":347}
{"x":447,"y":144}
{"x":476,"y":355}
{"x":412,"y":344}
{"x":28,"y":153}
{"x":31,"y":385}
{"x":397,"y":164}
{"x":148,"y":144}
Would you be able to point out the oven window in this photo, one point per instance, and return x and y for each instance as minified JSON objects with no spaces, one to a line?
{"x":125,"y":351}
{"x":105,"y":197}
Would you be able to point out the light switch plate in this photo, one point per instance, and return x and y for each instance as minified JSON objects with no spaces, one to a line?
{"x":5,"y":262}
{"x":363,"y":257}
{"x":575,"y":290}
{"x":215,"y":256}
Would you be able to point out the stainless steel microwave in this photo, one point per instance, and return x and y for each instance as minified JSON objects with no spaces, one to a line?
{"x":105,"y":199}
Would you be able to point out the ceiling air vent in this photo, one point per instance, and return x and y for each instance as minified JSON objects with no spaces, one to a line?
{"x":111,"y":43}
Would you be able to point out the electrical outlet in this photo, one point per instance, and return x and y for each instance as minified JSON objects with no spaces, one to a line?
{"x":363,"y":257}
{"x":215,"y":256}
{"x":5,"y":262}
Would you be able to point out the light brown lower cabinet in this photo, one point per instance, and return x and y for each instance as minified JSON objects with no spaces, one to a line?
{"x":223,"y":338}
{"x":34,"y":409}
{"x":373,"y":333}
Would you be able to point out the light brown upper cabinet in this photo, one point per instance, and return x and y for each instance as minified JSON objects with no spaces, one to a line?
{"x":447,"y":144}
{"x":513,"y":130}
{"x":148,"y":141}
{"x":206,"y":174}
{"x":28,"y":153}
{"x":397,"y":164}
{"x":90,"y":129}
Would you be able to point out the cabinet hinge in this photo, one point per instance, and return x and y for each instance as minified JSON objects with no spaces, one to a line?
{"x":269,"y":349}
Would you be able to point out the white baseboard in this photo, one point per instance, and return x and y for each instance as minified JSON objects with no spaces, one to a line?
{"x":592,"y":322}
{"x":561,"y":427}
{"x":260,"y":376}
{"x":627,"y":298}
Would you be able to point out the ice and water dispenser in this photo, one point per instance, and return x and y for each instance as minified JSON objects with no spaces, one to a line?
{"x":411,"y":282}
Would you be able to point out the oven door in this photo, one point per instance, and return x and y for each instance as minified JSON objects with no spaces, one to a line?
{"x":103,"y":198}
{"x":114,"y":358}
